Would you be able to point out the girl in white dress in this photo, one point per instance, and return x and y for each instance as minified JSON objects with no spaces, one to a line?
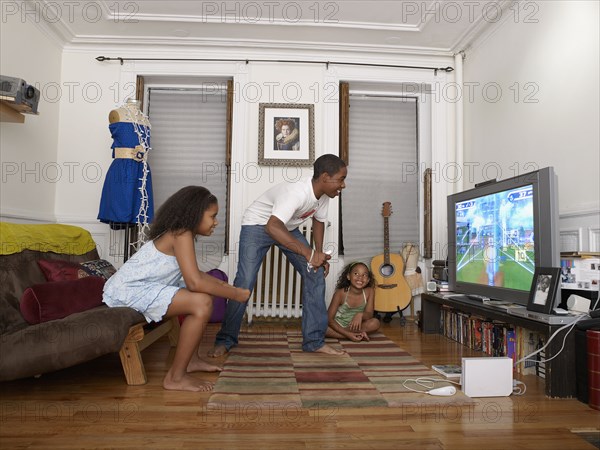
{"x":151,"y":280}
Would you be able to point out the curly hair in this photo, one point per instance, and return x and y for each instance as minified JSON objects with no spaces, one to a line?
{"x":344,"y":283}
{"x":291,"y":123}
{"x":182,"y":211}
{"x":327,"y":163}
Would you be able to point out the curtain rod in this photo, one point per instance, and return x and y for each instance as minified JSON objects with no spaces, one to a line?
{"x":122,"y":60}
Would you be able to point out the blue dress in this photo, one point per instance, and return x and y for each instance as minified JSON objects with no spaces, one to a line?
{"x":147,"y":283}
{"x":121,"y":198}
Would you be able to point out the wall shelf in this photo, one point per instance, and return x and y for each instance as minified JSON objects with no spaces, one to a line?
{"x":7,"y":114}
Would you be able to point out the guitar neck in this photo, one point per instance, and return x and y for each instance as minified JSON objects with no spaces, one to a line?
{"x":386,"y":241}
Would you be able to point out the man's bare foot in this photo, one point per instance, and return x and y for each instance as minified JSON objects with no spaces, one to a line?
{"x":329,"y":350}
{"x":187,"y":383}
{"x":218,"y":350}
{"x":199,"y":365}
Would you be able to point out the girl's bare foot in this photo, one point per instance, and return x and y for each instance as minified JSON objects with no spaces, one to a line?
{"x":199,"y":365}
{"x":186,"y":383}
{"x":218,"y":350}
{"x":329,"y":350}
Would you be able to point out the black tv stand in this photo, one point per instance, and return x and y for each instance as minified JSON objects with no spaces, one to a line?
{"x":560,"y":371}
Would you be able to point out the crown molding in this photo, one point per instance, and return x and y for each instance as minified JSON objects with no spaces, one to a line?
{"x":483,"y":29}
{"x":116,"y":43}
{"x":274,"y":22}
{"x":61,"y":32}
{"x":30,"y":12}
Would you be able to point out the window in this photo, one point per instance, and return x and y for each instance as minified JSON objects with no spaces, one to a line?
{"x":383,"y":160}
{"x":189,"y":147}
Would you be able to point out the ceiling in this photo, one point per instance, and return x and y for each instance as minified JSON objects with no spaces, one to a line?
{"x":393,"y":26}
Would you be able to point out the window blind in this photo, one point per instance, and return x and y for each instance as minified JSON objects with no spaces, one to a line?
{"x":382,"y":153}
{"x":188,"y":140}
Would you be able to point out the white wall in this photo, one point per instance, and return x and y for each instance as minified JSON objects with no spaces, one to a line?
{"x":85,"y":142}
{"x":546,"y":63}
{"x":30,"y":169}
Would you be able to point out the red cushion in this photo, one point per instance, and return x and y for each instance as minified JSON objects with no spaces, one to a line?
{"x":59,"y":270}
{"x":58,"y":299}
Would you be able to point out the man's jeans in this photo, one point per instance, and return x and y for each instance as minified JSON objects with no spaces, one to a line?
{"x":254,"y":244}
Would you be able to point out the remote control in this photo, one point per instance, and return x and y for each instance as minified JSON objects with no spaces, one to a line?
{"x":445,"y":391}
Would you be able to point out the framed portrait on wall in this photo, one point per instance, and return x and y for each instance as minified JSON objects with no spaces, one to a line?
{"x":543,"y":289}
{"x":286,"y":134}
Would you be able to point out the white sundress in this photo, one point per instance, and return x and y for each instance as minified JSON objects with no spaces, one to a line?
{"x":147,"y":283}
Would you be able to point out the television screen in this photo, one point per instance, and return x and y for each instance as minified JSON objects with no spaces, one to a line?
{"x":499,"y":232}
{"x":495,"y":239}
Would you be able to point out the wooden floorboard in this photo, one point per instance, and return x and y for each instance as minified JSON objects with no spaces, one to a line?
{"x":90,"y":406}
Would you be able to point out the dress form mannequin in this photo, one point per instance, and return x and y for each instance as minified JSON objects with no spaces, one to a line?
{"x":129,"y":112}
{"x":127,"y":198}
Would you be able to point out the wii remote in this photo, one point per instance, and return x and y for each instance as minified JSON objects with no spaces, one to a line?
{"x":310,"y":267}
{"x":445,"y":391}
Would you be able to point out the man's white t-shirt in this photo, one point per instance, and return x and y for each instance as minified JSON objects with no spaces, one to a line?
{"x":292,"y":203}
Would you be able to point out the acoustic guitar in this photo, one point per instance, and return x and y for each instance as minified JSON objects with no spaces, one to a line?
{"x":392,"y":292}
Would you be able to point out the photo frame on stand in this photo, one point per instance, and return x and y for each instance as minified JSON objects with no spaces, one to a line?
{"x":286,"y":134}
{"x":543,"y":289}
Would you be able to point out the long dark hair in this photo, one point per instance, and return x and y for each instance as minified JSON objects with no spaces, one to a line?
{"x":182,"y":211}
{"x":344,"y":283}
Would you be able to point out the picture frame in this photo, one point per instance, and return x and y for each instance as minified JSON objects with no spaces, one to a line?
{"x":543,"y":289}
{"x":286,"y":135}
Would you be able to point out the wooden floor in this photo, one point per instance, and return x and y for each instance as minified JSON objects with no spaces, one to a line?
{"x":90,"y":406}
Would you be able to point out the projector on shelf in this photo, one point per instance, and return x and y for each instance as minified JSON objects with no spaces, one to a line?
{"x":19,"y":95}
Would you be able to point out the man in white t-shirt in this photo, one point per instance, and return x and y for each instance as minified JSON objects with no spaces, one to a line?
{"x":274,"y":218}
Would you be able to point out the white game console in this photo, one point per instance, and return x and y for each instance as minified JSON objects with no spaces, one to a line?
{"x":487,"y":377}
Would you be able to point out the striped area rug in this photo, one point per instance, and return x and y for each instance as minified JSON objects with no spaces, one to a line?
{"x":271,"y":370}
{"x":258,"y":371}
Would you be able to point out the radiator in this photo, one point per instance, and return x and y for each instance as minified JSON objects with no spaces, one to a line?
{"x":278,"y":289}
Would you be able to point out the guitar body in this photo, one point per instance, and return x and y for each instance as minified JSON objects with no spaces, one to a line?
{"x":392,"y":292}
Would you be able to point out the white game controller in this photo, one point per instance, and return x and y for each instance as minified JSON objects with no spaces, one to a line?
{"x":445,"y":391}
{"x":310,"y":267}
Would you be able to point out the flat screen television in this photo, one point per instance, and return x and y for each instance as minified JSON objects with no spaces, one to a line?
{"x":499,"y":232}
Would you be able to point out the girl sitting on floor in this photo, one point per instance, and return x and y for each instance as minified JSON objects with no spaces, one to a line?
{"x":350,"y":312}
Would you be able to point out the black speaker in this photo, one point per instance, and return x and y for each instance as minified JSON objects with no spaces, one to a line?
{"x":440,"y":270}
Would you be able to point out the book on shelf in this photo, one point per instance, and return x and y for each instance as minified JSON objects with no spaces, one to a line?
{"x":448,"y":370}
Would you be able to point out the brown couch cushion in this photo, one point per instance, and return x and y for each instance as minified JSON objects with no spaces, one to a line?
{"x":62,"y":343}
{"x":58,"y":299}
